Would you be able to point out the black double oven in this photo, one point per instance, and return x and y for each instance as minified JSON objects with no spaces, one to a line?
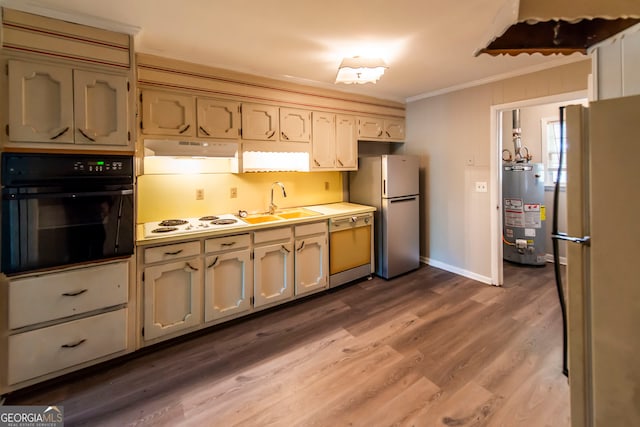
{"x":65,"y":209}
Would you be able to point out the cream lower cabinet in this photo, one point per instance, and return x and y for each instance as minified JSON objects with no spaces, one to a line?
{"x":311,"y":258}
{"x":172,"y":290}
{"x":273,"y":266}
{"x":228,"y":283}
{"x":61,"y":321}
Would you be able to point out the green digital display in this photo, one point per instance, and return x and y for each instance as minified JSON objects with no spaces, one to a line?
{"x":100,"y":163}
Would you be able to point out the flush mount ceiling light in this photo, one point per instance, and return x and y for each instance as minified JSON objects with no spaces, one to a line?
{"x":360,"y":70}
{"x":557,"y":26}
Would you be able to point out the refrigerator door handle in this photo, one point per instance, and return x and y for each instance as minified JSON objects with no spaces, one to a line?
{"x":384,"y":187}
{"x":586,"y":240}
{"x":403,"y":199}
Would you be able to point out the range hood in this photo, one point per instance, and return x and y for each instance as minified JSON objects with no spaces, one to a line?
{"x":174,"y":148}
{"x":558,"y":26}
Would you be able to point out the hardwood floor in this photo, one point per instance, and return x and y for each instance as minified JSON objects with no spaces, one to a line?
{"x":427,"y":349}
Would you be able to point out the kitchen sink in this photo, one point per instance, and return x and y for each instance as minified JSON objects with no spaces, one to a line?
{"x":298,"y":213}
{"x":259,"y":219}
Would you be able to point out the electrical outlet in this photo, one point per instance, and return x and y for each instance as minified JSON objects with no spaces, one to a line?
{"x":481,"y":186}
{"x":200,"y":194}
{"x":233,"y":192}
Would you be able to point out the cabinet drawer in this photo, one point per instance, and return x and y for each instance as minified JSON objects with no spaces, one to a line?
{"x":53,"y":296}
{"x":309,"y":229}
{"x":272,"y":235}
{"x":227,"y":243}
{"x":50,"y":349}
{"x":169,"y":252}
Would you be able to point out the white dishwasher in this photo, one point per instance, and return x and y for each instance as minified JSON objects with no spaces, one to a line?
{"x":350,"y":248}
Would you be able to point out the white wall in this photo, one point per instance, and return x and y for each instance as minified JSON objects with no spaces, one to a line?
{"x":448,"y":132}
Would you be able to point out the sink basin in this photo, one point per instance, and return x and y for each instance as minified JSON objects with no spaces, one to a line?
{"x":259,"y":219}
{"x":298,"y":213}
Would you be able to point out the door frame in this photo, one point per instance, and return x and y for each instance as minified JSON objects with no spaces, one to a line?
{"x":495,"y":181}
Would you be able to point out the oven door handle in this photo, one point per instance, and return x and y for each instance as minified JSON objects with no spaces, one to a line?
{"x":66,"y":195}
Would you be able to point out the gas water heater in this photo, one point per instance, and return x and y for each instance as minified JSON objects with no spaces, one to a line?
{"x":523,"y":210}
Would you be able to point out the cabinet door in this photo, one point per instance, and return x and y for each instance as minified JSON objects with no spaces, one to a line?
{"x":346,"y":142}
{"x":260,"y":122}
{"x":273,"y":273}
{"x":40,"y":103}
{"x":166,"y":113}
{"x":324,"y":140}
{"x":370,"y":127}
{"x":295,"y":125}
{"x":218,"y":118}
{"x":394,"y":129}
{"x":172,"y":297}
{"x":101,"y":112}
{"x":312,"y":264}
{"x":228,"y":285}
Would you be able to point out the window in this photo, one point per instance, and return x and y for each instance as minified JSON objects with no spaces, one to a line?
{"x":551,"y":151}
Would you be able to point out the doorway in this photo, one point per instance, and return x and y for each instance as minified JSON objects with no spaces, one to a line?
{"x":536,"y":115}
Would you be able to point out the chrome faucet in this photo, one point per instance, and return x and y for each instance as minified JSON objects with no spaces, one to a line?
{"x":272,"y":206}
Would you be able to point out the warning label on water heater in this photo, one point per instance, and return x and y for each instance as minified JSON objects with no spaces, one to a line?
{"x":532,"y":218}
{"x":514,"y":213}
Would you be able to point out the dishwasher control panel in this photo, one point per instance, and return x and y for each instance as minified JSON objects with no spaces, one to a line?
{"x":350,"y":221}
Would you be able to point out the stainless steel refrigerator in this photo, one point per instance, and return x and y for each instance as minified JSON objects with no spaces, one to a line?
{"x":391,"y":184}
{"x":603,"y":290}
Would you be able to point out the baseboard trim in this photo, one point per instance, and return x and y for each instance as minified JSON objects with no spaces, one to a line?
{"x":456,"y":270}
{"x":549,"y":258}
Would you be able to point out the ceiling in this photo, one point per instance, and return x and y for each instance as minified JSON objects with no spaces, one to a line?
{"x":428,"y":44}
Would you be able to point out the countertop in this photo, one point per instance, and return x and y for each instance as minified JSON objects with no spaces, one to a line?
{"x":325,"y":212}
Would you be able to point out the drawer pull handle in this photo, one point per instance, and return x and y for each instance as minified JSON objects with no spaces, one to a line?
{"x":59,"y":134}
{"x":285,"y":249}
{"x":74,"y":345}
{"x":74,"y":294}
{"x":173,"y":253}
{"x":190,"y":267}
{"x":228,"y":244}
{"x":301,"y":246}
{"x":213,"y":264}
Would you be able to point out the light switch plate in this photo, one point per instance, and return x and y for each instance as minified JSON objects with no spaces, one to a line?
{"x":481,"y":186}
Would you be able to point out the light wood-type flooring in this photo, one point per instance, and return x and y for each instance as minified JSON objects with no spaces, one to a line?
{"x":426,"y":349}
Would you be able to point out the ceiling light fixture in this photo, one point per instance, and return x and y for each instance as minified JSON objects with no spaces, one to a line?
{"x":360,"y":70}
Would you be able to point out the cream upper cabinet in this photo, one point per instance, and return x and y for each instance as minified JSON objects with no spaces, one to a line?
{"x":260,"y":122}
{"x":335,"y":144}
{"x":40,"y":103}
{"x":394,"y":129}
{"x":295,"y":125}
{"x":381,"y":129}
{"x":218,"y":118}
{"x":168,"y":113}
{"x":370,"y":127}
{"x":57,"y":104}
{"x":323,"y":150}
{"x":101,"y":108}
{"x":346,"y":142}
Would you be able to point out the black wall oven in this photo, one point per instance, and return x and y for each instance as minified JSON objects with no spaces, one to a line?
{"x":65,"y":209}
